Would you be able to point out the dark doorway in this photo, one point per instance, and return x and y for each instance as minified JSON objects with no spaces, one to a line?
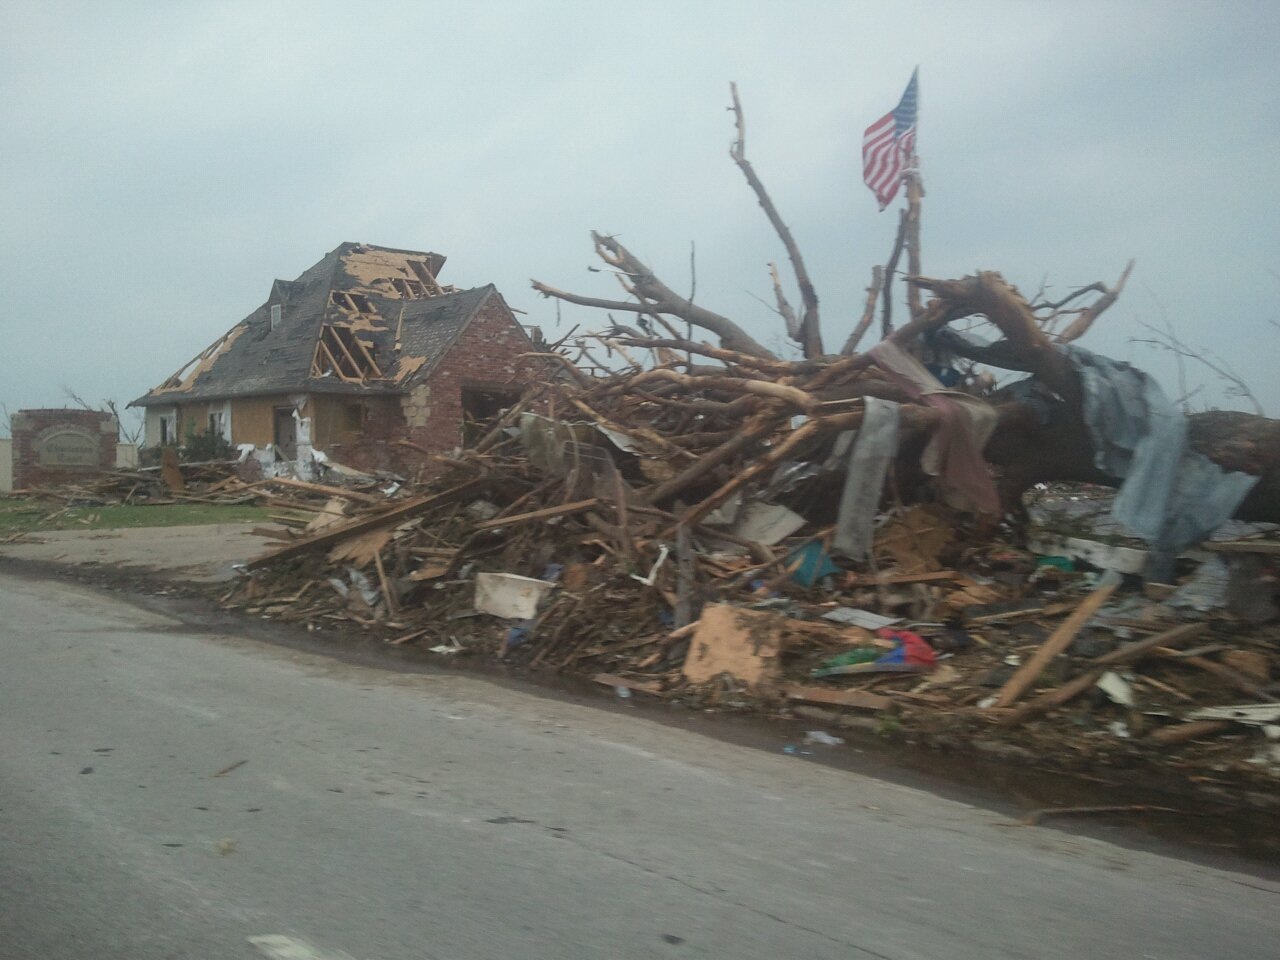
{"x":479,"y":406}
{"x":286,"y":431}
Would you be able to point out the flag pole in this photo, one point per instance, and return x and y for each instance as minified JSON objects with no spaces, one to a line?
{"x":915,"y":193}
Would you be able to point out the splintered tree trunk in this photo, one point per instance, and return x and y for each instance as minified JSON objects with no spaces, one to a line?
{"x":1027,"y":453}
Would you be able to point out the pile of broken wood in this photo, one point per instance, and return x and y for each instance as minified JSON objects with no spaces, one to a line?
{"x":215,"y":482}
{"x":668,"y":532}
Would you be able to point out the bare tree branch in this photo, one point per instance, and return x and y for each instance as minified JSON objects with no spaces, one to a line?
{"x":891,"y":268}
{"x":990,"y":295}
{"x":1236,"y":385}
{"x":785,"y":310}
{"x":1038,"y":304}
{"x":868,"y":313}
{"x":810,"y":332}
{"x":1080,"y":326}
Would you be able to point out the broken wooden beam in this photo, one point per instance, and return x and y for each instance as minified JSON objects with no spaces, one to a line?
{"x":1058,"y":641}
{"x":1182,"y":732}
{"x":548,"y":513}
{"x":1129,"y":653}
{"x":338,"y":533}
{"x":321,"y":489}
{"x":861,"y":699}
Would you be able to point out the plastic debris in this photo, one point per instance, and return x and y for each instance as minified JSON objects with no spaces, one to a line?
{"x":822,"y":737}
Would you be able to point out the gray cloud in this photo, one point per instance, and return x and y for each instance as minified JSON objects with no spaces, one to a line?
{"x":163,"y":162}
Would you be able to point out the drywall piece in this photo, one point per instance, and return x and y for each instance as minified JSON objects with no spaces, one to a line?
{"x":509,"y":596}
{"x":767,"y":523}
{"x":860,"y":618}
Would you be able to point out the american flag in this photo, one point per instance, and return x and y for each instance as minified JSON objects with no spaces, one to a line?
{"x":889,"y":145}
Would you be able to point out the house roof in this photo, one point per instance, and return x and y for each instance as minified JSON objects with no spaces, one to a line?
{"x":372,"y":295}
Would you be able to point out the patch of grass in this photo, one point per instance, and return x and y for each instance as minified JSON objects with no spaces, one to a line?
{"x":20,"y":516}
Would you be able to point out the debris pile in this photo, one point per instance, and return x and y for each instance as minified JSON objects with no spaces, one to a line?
{"x":742,"y":537}
{"x":216,"y":482}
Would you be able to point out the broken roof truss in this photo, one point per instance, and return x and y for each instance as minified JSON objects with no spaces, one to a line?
{"x":340,"y":353}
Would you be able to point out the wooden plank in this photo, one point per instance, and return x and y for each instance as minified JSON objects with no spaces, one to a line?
{"x":650,"y":687}
{"x":1182,"y":732}
{"x":335,"y":534}
{"x":332,"y":333}
{"x":322,"y":489}
{"x":1050,"y":611}
{"x":1138,"y":648}
{"x":334,"y":366}
{"x":1241,"y":683}
{"x":393,"y":608}
{"x":894,"y":578}
{"x":861,"y":699}
{"x":170,"y":472}
{"x":1244,"y":546}
{"x":1053,"y":698}
{"x":1129,"y":653}
{"x":1058,"y":641}
{"x":563,"y":510}
{"x":364,"y":351}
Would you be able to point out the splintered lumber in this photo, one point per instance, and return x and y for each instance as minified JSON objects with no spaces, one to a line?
{"x":322,"y":489}
{"x":624,"y":683}
{"x":335,"y":534}
{"x":1058,"y":641}
{"x":1128,"y":653}
{"x":563,"y":510}
{"x":1182,"y":732}
{"x":861,"y":699}
{"x":1271,"y":547}
{"x":1241,"y":683}
{"x":931,"y":576}
{"x":170,"y":472}
{"x":1031,"y":613}
{"x":361,"y":550}
{"x":388,"y":594}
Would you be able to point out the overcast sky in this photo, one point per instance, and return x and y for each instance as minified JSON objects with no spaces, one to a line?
{"x":161,"y":163}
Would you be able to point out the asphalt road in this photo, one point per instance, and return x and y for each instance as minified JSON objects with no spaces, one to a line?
{"x":169,"y":795}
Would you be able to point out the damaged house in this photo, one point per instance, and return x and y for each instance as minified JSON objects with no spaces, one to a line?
{"x":366,"y":357}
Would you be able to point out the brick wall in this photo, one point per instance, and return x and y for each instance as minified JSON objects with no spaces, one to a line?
{"x":486,"y":357}
{"x":67,"y":435}
{"x":370,"y":447}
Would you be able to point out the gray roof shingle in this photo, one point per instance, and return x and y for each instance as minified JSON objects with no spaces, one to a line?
{"x":252,"y":359}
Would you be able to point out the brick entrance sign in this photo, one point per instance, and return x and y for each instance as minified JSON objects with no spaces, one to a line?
{"x":50,"y":446}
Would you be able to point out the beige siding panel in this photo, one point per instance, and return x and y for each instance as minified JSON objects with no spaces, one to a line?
{"x":253,"y":419}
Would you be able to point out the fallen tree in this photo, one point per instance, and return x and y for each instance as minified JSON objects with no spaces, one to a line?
{"x":1041,"y":423}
